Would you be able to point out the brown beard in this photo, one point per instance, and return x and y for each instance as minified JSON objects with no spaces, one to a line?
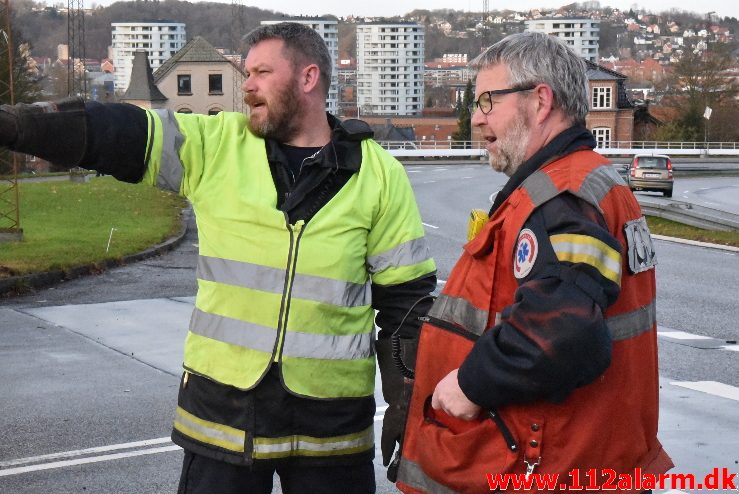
{"x":280,"y":122}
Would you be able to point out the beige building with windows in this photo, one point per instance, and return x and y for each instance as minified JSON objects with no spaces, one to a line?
{"x":198,"y":79}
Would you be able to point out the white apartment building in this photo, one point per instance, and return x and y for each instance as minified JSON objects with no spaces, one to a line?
{"x":329,"y":31}
{"x":161,"y":39}
{"x":390,"y":68}
{"x":580,"y":34}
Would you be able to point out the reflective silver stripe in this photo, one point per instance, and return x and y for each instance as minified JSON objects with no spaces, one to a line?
{"x":598,"y":183}
{"x":632,"y":323}
{"x":267,"y":279}
{"x":406,"y":254}
{"x":170,"y":170}
{"x":461,"y":312}
{"x":212,"y":433}
{"x":328,"y":291}
{"x":314,"y":446}
{"x":411,"y":474}
{"x":297,"y":344}
{"x":233,"y":331}
{"x":540,"y":188}
{"x":327,"y":346}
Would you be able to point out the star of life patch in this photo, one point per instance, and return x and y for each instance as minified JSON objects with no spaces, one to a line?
{"x":527,"y":248}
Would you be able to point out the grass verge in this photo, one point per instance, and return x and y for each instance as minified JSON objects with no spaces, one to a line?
{"x":67,"y":224}
{"x":660,"y":226}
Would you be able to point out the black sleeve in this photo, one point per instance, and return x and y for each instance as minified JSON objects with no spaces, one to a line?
{"x":117,"y":136}
{"x":553,"y":338}
{"x":393,"y":302}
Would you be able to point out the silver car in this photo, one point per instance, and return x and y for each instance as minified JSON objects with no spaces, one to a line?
{"x":651,"y":172}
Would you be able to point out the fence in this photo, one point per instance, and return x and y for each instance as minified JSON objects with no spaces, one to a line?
{"x":447,"y":148}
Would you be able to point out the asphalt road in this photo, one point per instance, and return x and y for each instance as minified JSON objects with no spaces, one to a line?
{"x":90,"y":367}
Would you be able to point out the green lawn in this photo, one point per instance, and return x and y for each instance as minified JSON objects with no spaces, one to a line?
{"x":68,"y":224}
{"x":659,"y":226}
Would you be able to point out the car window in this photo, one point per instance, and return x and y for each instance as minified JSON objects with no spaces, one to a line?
{"x":652,"y":162}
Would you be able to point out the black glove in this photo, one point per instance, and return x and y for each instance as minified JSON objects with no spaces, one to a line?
{"x":396,"y":390}
{"x":54,"y":131}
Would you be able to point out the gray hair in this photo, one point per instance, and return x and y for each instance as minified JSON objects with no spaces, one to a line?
{"x":537,"y":58}
{"x":303,"y":45}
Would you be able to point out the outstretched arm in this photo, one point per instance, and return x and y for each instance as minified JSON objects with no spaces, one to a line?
{"x":110,"y":138}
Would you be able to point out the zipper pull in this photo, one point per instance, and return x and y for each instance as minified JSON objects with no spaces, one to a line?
{"x":185,"y":378}
{"x":531,"y":466}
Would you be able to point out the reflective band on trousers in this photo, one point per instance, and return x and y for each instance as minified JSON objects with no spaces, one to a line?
{"x":460,"y":312}
{"x":281,"y":447}
{"x":411,"y":474}
{"x":262,"y":338}
{"x":268,"y":279}
{"x":597,"y":184}
{"x":208,"y":432}
{"x":406,"y":254}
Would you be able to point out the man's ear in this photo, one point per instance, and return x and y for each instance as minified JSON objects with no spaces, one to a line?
{"x":310,"y":77}
{"x":544,"y":102}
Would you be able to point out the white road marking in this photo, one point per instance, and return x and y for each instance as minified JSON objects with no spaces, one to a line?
{"x":429,"y":182}
{"x":82,"y":461}
{"x":413,"y":171}
{"x":682,"y":335}
{"x":441,"y":282}
{"x":733,"y":348}
{"x":82,"y":452}
{"x":711,"y":388}
{"x":430,"y":226}
{"x":43,"y":462}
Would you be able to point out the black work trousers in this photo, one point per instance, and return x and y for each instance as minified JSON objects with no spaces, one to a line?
{"x":202,"y":475}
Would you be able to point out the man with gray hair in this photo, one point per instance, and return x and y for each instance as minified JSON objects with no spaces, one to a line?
{"x":540,"y":354}
{"x":309,"y":233}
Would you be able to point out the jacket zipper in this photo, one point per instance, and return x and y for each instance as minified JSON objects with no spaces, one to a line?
{"x":448,"y":326}
{"x":492,"y":414}
{"x":296,"y":232}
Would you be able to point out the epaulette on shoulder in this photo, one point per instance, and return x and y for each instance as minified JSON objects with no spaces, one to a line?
{"x":357,"y":130}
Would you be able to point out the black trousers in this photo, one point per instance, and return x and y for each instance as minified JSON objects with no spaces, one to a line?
{"x":202,"y":475}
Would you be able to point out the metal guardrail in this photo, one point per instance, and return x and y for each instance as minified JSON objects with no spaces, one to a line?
{"x":691,"y":214}
{"x":447,"y":148}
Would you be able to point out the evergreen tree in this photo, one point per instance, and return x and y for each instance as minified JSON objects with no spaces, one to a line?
{"x":464,"y":126}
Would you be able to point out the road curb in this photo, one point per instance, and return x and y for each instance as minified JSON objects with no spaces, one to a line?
{"x":18,"y":285}
{"x":696,"y":243}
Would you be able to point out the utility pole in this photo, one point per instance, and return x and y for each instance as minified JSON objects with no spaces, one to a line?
{"x":10,"y":229}
{"x":237,"y":32}
{"x":76,"y":79}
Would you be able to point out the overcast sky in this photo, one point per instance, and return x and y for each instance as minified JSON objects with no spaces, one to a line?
{"x":342,"y":8}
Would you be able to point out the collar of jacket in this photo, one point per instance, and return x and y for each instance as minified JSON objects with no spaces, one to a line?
{"x":342,"y":152}
{"x":567,"y":142}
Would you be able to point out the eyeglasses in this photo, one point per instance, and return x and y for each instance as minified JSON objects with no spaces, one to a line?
{"x":485,"y":101}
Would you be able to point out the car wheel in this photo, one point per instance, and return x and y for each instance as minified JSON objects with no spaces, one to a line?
{"x":668,"y":193}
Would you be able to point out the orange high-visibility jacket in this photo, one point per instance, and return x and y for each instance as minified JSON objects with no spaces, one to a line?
{"x":610,"y":423}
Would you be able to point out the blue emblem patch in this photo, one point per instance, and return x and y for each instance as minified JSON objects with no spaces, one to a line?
{"x":527,"y":248}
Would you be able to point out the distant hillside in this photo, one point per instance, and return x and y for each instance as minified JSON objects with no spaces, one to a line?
{"x":48,"y":28}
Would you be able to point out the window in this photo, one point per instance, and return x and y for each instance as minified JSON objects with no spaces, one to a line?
{"x":184,"y":110}
{"x":601,"y":97}
{"x":215,"y":84}
{"x":214,"y":111}
{"x":602,"y":136}
{"x":184,"y":84}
